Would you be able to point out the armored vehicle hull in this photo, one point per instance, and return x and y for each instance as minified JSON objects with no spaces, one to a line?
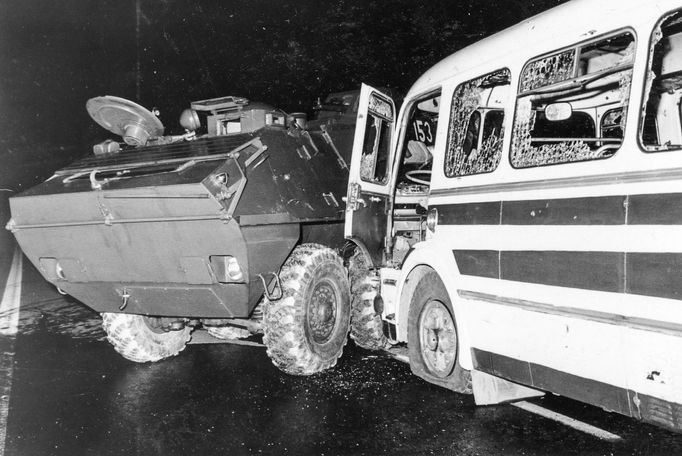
{"x":162,"y":237}
{"x":155,"y":225}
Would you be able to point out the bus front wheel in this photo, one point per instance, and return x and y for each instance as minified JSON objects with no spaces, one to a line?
{"x":432,"y":336}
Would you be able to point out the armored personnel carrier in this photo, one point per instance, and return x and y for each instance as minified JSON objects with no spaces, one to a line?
{"x":162,"y":234}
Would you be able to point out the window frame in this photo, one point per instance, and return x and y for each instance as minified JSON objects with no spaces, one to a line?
{"x":644,"y":99}
{"x":483,"y":117}
{"x":385,"y":123}
{"x":578,"y":46}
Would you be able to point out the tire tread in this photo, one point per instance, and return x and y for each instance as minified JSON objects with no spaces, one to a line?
{"x":131,"y":337}
{"x":366,"y":325}
{"x":284,"y":319}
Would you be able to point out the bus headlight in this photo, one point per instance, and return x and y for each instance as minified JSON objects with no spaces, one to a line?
{"x":432,"y":219}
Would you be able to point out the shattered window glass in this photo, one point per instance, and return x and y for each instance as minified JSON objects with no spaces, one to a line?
{"x":548,"y":71}
{"x":564,"y":95}
{"x":375,"y":149}
{"x":613,"y":123}
{"x":475,"y":131}
{"x":660,"y":127}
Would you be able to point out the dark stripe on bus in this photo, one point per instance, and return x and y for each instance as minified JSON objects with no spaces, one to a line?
{"x":469,"y":214}
{"x":481,"y":263}
{"x":609,"y":397}
{"x":656,"y":209}
{"x":642,"y":273}
{"x":654,"y":274}
{"x":604,"y":210}
{"x":601,"y":271}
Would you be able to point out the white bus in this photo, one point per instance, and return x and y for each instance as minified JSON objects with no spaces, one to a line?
{"x":519,"y":222}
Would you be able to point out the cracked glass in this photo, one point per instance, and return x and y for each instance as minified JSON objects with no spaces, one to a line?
{"x":375,"y":151}
{"x":594,"y":81}
{"x":476,"y":130}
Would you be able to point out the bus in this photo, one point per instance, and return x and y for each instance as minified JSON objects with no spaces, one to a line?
{"x":518,"y":223}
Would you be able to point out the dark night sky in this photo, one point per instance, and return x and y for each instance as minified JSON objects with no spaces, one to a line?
{"x":56,"y":55}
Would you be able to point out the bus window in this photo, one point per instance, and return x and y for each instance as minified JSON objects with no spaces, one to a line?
{"x":660,"y":126}
{"x":562,"y":96}
{"x":414,"y":174}
{"x":475,"y":130}
{"x":374,"y":161}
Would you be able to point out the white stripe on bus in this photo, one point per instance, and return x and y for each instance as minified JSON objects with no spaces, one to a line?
{"x":587,"y":238}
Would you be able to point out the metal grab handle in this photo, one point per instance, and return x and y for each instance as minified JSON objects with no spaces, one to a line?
{"x":278,"y":287}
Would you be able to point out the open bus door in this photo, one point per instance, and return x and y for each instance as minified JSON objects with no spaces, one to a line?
{"x":368,"y":201}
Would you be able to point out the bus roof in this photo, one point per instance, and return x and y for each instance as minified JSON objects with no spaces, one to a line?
{"x":562,"y":24}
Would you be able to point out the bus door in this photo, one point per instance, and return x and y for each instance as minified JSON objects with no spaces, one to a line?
{"x":368,"y":201}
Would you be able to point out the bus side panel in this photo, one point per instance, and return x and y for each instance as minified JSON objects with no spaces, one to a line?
{"x":595,"y":305}
{"x":553,"y":344}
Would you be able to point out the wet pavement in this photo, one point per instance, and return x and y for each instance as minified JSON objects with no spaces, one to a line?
{"x":71,"y":393}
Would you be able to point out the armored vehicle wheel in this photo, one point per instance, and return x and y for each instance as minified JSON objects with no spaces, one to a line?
{"x":306,"y":329}
{"x":141,"y":339}
{"x":366,"y":327}
{"x":432,"y":336}
{"x":227,"y":332}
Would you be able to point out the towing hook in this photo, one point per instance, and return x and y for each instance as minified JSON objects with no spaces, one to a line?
{"x":276,"y":292}
{"x":124,"y":299}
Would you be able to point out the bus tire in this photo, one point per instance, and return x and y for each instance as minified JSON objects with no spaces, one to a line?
{"x":432,"y":336}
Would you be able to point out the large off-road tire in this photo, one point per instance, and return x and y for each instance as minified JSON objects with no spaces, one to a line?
{"x":365,"y":323}
{"x":305,"y":331}
{"x":227,"y":332}
{"x":138,"y":339}
{"x":432,"y":336}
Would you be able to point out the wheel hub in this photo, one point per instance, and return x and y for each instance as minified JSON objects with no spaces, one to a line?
{"x":438,"y":338}
{"x":432,"y":340}
{"x":322,"y":312}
